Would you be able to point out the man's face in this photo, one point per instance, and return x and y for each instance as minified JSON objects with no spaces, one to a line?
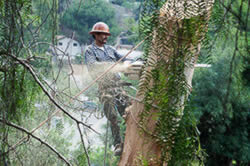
{"x":101,"y":38}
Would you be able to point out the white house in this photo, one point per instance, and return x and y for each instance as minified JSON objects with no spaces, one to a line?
{"x":66,"y":47}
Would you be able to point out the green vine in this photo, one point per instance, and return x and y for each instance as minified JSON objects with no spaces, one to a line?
{"x":163,"y":83}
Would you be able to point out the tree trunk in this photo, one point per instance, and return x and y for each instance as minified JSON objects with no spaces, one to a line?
{"x":140,"y":146}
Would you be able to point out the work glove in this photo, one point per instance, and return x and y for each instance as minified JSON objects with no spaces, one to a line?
{"x":133,"y":70}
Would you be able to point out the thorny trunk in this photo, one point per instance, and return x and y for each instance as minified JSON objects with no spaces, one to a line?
{"x":139,"y":146}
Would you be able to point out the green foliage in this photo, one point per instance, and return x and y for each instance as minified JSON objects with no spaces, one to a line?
{"x":97,"y":157}
{"x":19,"y":31}
{"x":79,"y":59}
{"x":224,"y":126}
{"x":246,"y":71}
{"x":43,"y":65}
{"x":221,"y":100}
{"x":133,"y":31}
{"x":133,"y":6}
{"x":148,"y":21}
{"x":80,"y":20}
{"x":142,"y":161}
{"x":81,"y":159}
{"x":44,"y":22}
{"x":51,"y":133}
{"x":169,"y":48}
{"x":41,"y":155}
{"x":222,"y":21}
{"x":18,"y":91}
{"x":187,"y":149}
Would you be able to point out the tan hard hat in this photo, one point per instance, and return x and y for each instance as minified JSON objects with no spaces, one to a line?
{"x":100,"y":27}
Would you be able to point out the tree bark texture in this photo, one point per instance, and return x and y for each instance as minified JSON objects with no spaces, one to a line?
{"x":140,"y":145}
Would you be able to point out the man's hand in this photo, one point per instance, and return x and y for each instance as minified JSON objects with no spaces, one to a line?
{"x":121,"y":67}
{"x":133,"y":70}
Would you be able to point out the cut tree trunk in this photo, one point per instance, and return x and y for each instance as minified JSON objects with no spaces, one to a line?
{"x":140,"y":146}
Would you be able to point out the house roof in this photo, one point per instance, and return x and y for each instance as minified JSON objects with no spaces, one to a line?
{"x":60,"y":37}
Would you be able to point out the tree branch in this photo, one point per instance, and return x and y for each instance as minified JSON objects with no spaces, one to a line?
{"x":229,"y":9}
{"x":30,"y":69}
{"x":37,"y":138}
{"x":26,"y":65}
{"x":232,"y":61}
{"x":83,"y":144}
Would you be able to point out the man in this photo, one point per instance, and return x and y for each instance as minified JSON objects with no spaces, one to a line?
{"x":98,"y":57}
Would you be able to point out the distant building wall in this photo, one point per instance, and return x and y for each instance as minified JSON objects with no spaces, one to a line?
{"x":66,"y":47}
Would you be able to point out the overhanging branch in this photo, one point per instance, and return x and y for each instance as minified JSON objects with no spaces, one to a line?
{"x":30,"y":69}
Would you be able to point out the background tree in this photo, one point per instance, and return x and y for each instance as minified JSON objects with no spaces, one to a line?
{"x":81,"y":19}
{"x":17,"y":90}
{"x":224,"y":134}
{"x":23,"y":69}
{"x":221,"y":93}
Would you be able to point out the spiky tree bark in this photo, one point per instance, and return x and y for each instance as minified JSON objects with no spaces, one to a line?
{"x":165,"y":82}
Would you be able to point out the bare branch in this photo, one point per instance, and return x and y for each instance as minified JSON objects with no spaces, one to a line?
{"x":37,"y":138}
{"x":83,"y":144}
{"x":79,"y":6}
{"x":27,"y":66}
{"x":233,"y":60}
{"x":229,"y":9}
{"x":72,"y":72}
{"x":32,"y":131}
